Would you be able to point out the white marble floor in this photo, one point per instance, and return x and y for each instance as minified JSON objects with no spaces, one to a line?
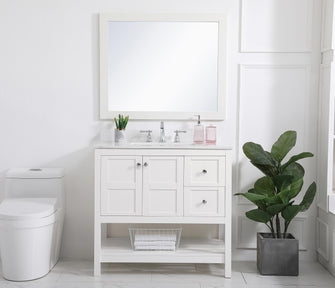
{"x":71,"y":274}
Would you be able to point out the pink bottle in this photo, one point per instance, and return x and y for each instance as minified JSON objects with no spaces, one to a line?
{"x":211,"y":134}
{"x":198,"y":137}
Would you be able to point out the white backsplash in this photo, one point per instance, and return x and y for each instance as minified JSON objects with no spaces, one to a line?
{"x":134,"y":127}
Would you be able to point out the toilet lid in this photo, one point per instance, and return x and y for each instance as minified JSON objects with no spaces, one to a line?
{"x":27,"y":208}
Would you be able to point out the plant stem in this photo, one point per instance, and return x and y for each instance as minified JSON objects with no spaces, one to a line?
{"x":272,"y":229}
{"x":286,"y":226}
{"x":278,"y":226}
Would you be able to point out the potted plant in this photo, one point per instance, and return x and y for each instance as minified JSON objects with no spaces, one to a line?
{"x":273,"y":194}
{"x":120,"y":131}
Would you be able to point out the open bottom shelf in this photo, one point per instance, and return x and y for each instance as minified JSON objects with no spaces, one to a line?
{"x":191,"y":250}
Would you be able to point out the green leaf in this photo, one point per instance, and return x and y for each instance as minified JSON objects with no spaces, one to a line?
{"x":295,"y":187}
{"x":308,"y":198}
{"x":295,"y":170}
{"x":296,"y":158}
{"x":252,"y":190}
{"x":252,"y":197}
{"x":290,"y":212}
{"x":266,"y":169}
{"x":282,"y":181}
{"x":257,"y":155}
{"x":258,"y":215}
{"x":273,"y":200}
{"x":264,"y":186}
{"x":116,"y":123}
{"x":283,"y":145}
{"x":275,"y":209}
{"x":285,"y":195}
{"x":126,"y":122}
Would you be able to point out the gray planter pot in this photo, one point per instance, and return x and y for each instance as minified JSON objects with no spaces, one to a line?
{"x":277,"y":256}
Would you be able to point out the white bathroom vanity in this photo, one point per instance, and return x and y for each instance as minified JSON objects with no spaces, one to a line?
{"x":163,"y":184}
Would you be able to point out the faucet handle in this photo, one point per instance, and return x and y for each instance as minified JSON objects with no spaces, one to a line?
{"x":176,"y":137}
{"x":149,"y":138}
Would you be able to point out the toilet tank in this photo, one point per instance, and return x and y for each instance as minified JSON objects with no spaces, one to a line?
{"x":39,"y":183}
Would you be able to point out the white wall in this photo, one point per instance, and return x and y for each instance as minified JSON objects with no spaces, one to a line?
{"x":49,"y":76}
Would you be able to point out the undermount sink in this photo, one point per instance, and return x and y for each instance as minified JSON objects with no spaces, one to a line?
{"x":154,"y":143}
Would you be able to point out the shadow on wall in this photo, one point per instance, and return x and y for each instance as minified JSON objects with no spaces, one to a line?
{"x":78,"y":167}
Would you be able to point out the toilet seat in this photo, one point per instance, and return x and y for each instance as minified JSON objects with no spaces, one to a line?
{"x":27,"y":208}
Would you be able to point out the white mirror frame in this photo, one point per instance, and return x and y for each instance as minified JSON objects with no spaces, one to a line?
{"x":159,"y":115}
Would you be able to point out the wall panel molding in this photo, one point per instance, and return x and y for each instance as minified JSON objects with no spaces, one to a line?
{"x":322,"y":243}
{"x":280,"y":84}
{"x":324,"y":151}
{"x":262,"y":28}
{"x":327,"y":22}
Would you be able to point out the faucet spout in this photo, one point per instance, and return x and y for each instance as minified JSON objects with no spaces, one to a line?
{"x":162,"y":133}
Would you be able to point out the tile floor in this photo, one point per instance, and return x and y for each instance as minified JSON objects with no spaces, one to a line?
{"x":70,"y":274}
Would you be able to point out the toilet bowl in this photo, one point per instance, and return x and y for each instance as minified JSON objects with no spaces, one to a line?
{"x":31,"y":223}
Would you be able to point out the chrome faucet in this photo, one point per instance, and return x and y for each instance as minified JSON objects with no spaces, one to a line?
{"x":149,"y":138}
{"x":162,"y":133}
{"x":176,"y":137}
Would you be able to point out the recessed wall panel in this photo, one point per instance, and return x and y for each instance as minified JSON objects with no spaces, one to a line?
{"x":276,"y":25}
{"x":273,"y":99}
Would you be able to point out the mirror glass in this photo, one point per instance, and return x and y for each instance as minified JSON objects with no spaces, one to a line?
{"x":163,"y":66}
{"x":150,"y":69}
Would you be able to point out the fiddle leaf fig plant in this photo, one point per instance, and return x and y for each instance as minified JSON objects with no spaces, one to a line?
{"x":274,"y":193}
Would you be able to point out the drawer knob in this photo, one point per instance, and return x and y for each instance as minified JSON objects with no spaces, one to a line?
{"x":204,"y":201}
{"x":204,"y":171}
{"x":138,"y":164}
{"x":145,"y":164}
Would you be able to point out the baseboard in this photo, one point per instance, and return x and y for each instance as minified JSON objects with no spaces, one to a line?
{"x":326,"y":264}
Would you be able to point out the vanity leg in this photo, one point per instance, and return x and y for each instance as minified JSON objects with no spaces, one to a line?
{"x":227,"y":255}
{"x":97,"y":248}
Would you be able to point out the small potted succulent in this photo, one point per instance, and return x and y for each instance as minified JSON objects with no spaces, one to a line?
{"x":120,"y":131}
{"x":273,"y":194}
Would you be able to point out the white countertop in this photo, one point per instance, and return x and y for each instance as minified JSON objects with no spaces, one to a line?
{"x":156,"y":145}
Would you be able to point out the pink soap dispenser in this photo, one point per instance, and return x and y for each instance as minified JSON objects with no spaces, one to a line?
{"x":198,"y":137}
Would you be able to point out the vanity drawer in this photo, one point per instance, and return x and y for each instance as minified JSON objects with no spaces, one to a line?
{"x":204,"y":171}
{"x":206,"y":201}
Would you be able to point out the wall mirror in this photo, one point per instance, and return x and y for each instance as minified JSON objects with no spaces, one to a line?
{"x":163,"y":66}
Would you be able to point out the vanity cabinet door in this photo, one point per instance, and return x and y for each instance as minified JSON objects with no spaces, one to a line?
{"x":204,"y":171}
{"x":121,"y":185}
{"x":163,"y":185}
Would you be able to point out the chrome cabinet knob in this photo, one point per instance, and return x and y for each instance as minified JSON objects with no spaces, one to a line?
{"x":145,"y":164}
{"x":204,"y":171}
{"x":204,"y":201}
{"x":138,"y":164}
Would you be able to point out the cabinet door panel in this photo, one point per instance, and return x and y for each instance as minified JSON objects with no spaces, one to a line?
{"x":163,"y":186}
{"x":204,"y":171}
{"x":206,"y":201}
{"x":121,"y":185}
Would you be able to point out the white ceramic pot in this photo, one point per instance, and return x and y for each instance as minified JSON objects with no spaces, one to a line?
{"x":120,"y":136}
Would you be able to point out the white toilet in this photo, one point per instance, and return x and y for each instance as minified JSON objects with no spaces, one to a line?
{"x":31,"y":222}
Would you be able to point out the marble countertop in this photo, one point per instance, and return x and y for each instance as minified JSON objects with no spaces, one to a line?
{"x":157,"y":145}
